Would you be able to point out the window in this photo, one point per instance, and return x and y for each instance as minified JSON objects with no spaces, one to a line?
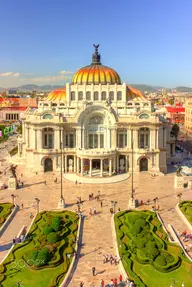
{"x":80,"y":96}
{"x":111,"y":96}
{"x":71,"y":141}
{"x":90,"y":141}
{"x":103,"y":96}
{"x":47,"y":117}
{"x":101,"y":140}
{"x":72,"y":96}
{"x":48,"y":138}
{"x":144,"y":116}
{"x":96,"y":96}
{"x":122,"y":138}
{"x":88,"y":96}
{"x":144,"y":136}
{"x":119,"y":96}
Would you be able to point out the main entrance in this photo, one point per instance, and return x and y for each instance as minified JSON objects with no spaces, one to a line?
{"x":144,"y":164}
{"x":96,"y":164}
{"x":48,"y":165}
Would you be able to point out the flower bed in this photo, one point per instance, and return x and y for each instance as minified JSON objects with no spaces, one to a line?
{"x":45,"y":256}
{"x":148,"y":257}
{"x":5,"y":211}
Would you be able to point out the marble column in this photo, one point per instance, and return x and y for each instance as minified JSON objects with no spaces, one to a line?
{"x":110,"y":166}
{"x":101,"y":164}
{"x":75,"y":163}
{"x":90,"y":167}
{"x":126,"y":163}
{"x":81,"y":166}
{"x":113,"y":138}
{"x":39,"y":142}
{"x":35,"y":139}
{"x":65,"y":163}
{"x":157,"y":139}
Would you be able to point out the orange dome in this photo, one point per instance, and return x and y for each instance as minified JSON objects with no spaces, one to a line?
{"x":96,"y":74}
{"x":57,"y":95}
{"x":134,"y":94}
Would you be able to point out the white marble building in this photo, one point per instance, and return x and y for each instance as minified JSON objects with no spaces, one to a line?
{"x":94,"y":120}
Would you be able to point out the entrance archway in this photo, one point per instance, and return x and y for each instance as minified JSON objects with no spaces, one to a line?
{"x":96,"y":164}
{"x":143,"y":164}
{"x":48,"y":165}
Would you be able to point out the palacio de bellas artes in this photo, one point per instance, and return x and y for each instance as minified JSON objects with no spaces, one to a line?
{"x":98,"y":125}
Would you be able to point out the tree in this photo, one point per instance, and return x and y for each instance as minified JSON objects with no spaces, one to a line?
{"x":171,"y":101}
{"x":175,"y":130}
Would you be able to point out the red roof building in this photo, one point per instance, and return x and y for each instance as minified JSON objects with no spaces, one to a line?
{"x":176,"y":114}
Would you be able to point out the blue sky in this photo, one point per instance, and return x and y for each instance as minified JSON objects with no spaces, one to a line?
{"x":145,"y":41}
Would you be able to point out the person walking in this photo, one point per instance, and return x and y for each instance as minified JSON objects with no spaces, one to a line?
{"x":101,"y":203}
{"x":90,"y":211}
{"x":45,"y":182}
{"x":22,"y":205}
{"x":81,"y":284}
{"x":102,"y":283}
{"x":107,"y":258}
{"x":111,"y":259}
{"x":115,"y":282}
{"x":93,"y":270}
{"x":111,"y":283}
{"x":104,"y":259}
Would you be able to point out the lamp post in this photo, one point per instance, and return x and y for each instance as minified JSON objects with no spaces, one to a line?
{"x":37,"y":201}
{"x":61,"y":203}
{"x":132,"y":200}
{"x":155,"y":202}
{"x":13,"y":196}
{"x":179,"y":197}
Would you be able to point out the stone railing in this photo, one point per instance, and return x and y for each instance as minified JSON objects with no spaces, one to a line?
{"x":96,"y":152}
{"x":165,"y":229}
{"x":69,"y":275}
{"x":9,"y":219}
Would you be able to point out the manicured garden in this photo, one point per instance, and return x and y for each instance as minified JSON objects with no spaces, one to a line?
{"x":186,"y":208}
{"x":43,"y":259}
{"x":5,"y":211}
{"x":148,"y":257}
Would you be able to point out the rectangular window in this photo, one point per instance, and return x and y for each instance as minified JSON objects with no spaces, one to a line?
{"x":90,"y":141}
{"x":95,"y":141}
{"x":147,"y":141}
{"x":50,"y":141}
{"x":45,"y":140}
{"x":101,"y":141}
{"x":141,"y":141}
{"x":71,"y":141}
{"x":72,"y":96}
{"x":126,"y":140}
{"x":66,"y":140}
{"x":121,"y":144}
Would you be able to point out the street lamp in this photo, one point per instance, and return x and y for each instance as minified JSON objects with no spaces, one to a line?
{"x":132,"y":200}
{"x":155,"y":202}
{"x":179,"y":196}
{"x":61,"y":203}
{"x":37,"y":201}
{"x":13,"y":198}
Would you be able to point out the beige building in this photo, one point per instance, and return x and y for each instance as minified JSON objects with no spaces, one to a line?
{"x":188,"y":116}
{"x":95,"y":119}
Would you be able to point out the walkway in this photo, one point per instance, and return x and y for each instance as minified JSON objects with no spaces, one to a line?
{"x":95,"y":180}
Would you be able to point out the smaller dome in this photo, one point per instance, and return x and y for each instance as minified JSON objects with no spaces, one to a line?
{"x":134,"y":95}
{"x":57,"y":95}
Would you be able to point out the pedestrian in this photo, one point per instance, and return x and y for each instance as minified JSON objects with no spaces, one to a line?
{"x":107,"y":258}
{"x":115,"y":260}
{"x":81,"y":284}
{"x":94,"y":210}
{"x":111,"y":259}
{"x":76,"y":182}
{"x":111,"y":283}
{"x":115,"y":282}
{"x":31,"y":215}
{"x":93,"y":270}
{"x":104,"y":259}
{"x":102,"y":283}
{"x":120,"y":278}
{"x":21,"y":175}
{"x":13,"y":240}
{"x":36,"y":173}
{"x":101,"y":203}
{"x":119,"y":209}
{"x":22,"y":205}
{"x":22,"y":184}
{"x":90,"y":211}
{"x":45,"y":182}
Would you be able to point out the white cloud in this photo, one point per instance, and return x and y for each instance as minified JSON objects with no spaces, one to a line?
{"x":7,"y":74}
{"x":65,"y":72}
{"x":62,"y":76}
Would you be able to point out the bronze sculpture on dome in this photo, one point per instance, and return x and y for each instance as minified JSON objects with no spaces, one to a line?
{"x":96,"y":47}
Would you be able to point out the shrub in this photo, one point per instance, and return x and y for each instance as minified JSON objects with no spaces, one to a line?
{"x":160,"y":260}
{"x":47,"y":230}
{"x":52,"y":237}
{"x":140,"y":222}
{"x":32,"y":257}
{"x":43,"y":257}
{"x":135,"y":229}
{"x":56,"y":223}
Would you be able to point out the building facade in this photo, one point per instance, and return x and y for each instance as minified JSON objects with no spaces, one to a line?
{"x":95,"y":123}
{"x":188,"y":116}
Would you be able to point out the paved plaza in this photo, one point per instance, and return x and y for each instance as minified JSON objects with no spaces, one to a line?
{"x":97,"y":234}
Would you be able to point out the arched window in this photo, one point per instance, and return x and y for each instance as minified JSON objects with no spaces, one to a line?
{"x":80,"y":96}
{"x":96,"y":96}
{"x":96,"y":120}
{"x":144,"y":138}
{"x":144,"y":116}
{"x":88,"y":96}
{"x":103,"y":96}
{"x":72,"y":96}
{"x":48,"y":138}
{"x":111,"y":96}
{"x":95,"y":132}
{"x":119,"y":96}
{"x":47,"y":117}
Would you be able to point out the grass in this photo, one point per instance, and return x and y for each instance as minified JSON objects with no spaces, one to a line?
{"x":141,"y":260}
{"x":5,"y":211}
{"x":16,"y":267}
{"x":186,"y":208}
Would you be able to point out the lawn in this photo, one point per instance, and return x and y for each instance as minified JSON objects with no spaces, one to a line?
{"x":5,"y":211}
{"x":186,"y":208}
{"x":44,"y":258}
{"x":148,"y":257}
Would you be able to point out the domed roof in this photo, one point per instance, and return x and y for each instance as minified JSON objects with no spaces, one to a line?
{"x":57,"y":95}
{"x":96,"y":73}
{"x":134,"y":95}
